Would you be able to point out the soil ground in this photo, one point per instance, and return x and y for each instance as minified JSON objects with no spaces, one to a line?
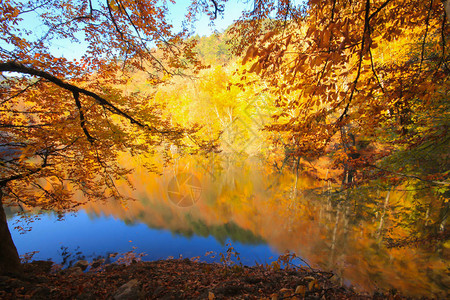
{"x":174,"y":279}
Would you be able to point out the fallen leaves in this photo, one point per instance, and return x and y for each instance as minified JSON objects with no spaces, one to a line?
{"x":174,"y":279}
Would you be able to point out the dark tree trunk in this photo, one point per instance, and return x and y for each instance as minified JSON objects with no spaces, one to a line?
{"x":9,"y":258}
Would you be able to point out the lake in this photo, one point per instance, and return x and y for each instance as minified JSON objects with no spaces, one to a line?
{"x":372,"y":237}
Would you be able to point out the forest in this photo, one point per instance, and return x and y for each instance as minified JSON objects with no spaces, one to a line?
{"x":353,"y":94}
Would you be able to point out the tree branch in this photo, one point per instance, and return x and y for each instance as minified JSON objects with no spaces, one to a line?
{"x":24,"y":126}
{"x":13,"y":66}
{"x":361,"y":55}
{"x":30,"y":172}
{"x":411,"y":176}
{"x":379,"y":9}
{"x":76,"y":96}
{"x":140,"y":38}
{"x":446,"y":8}
{"x":427,"y":23}
{"x":216,"y":8}
{"x":21,"y":92}
{"x":375,"y":72}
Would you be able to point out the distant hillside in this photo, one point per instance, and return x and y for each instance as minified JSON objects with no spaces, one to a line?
{"x":213,"y":49}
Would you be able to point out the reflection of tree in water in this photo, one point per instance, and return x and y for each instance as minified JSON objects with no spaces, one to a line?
{"x":223,"y":233}
{"x":381,"y":232}
{"x":69,"y":257}
{"x":376,"y":233}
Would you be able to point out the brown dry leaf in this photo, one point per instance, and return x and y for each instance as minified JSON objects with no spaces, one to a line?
{"x":285,"y":292}
{"x":211,"y":296}
{"x":313,"y":285}
{"x":300,"y":290}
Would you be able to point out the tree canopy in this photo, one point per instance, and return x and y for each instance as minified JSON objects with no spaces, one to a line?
{"x":374,"y":70}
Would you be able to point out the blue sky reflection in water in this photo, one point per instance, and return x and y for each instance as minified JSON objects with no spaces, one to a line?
{"x":96,"y":236}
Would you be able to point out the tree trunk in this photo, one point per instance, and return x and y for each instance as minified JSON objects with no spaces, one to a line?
{"x":380,"y":226}
{"x":9,"y":258}
{"x":447,"y":8}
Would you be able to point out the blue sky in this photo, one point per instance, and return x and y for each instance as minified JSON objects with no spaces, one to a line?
{"x":177,"y":12}
{"x":233,"y":10}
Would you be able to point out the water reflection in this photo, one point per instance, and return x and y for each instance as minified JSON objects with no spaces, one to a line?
{"x":86,"y":236}
{"x":364,"y":235}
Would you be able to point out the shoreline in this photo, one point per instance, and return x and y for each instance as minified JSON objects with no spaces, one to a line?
{"x":176,"y":279}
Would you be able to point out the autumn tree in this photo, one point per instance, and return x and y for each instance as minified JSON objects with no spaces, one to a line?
{"x":64,"y":122}
{"x":369,"y":71}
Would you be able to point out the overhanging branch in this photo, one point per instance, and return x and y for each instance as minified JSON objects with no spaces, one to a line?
{"x":13,"y":66}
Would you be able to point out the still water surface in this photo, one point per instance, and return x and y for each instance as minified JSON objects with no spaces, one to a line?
{"x":197,"y":206}
{"x":93,"y":236}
